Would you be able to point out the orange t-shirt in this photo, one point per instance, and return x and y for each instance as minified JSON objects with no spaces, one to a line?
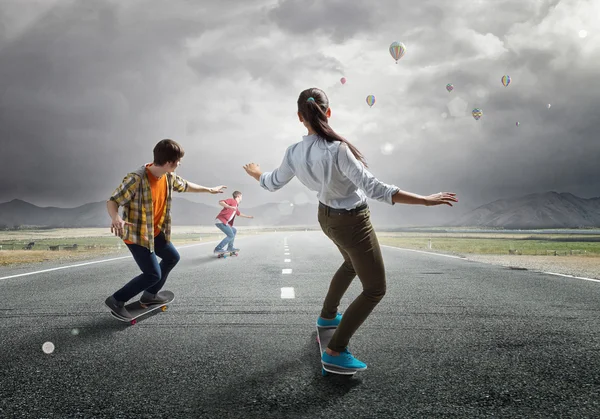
{"x":158,"y":188}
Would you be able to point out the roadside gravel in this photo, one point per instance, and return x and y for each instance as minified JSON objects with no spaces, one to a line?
{"x":584,"y":266}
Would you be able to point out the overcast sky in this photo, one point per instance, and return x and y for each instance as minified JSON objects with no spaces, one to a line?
{"x":87,"y":88}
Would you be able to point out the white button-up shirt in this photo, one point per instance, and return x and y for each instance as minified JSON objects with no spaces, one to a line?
{"x":331,"y":170}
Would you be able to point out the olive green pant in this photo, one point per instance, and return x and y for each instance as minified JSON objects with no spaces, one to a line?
{"x":354,"y":236}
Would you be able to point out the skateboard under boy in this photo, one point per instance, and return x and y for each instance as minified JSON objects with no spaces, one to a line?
{"x":324,"y":335}
{"x":226,"y":253}
{"x":137,"y":309}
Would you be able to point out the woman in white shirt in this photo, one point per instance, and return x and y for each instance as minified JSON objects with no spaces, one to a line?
{"x":328,"y":164}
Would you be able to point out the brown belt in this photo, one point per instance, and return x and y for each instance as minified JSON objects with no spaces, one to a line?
{"x":340,"y":211}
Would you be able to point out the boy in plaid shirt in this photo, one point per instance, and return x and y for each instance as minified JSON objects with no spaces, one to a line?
{"x":145,"y":195}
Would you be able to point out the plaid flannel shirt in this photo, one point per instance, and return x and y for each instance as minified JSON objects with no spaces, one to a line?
{"x":135,"y":196}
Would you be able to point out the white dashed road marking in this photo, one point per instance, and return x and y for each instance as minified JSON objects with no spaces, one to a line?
{"x":287,"y":292}
{"x":88,"y":263}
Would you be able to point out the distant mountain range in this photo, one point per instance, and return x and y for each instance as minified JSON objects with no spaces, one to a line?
{"x":535,"y":211}
{"x":184,"y":212}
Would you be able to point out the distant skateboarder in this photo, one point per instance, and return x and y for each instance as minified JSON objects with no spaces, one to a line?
{"x":328,"y":164}
{"x":224,"y":222}
{"x":145,"y":195}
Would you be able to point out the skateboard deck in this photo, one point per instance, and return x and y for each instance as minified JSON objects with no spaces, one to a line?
{"x":324,"y":335}
{"x":226,"y":253}
{"x":137,"y":309}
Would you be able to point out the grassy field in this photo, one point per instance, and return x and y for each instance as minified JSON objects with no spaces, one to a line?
{"x":57,"y":244}
{"x":496,"y":243}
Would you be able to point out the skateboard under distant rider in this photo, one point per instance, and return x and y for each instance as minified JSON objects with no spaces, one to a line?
{"x":145,"y":195}
{"x":224,"y":222}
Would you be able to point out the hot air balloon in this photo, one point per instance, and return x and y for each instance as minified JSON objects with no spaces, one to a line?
{"x":449,"y":87}
{"x":343,"y":80}
{"x":505,"y":80}
{"x":477,"y":113}
{"x":549,"y":105}
{"x":370,"y":100}
{"x":518,"y":123}
{"x":397,"y":50}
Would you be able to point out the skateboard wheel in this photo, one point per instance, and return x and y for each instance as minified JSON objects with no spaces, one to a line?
{"x":164,"y":308}
{"x":323,"y":372}
{"x":134,"y":321}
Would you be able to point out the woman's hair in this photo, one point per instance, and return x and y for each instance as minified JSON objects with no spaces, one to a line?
{"x":167,"y":151}
{"x":313,"y":111}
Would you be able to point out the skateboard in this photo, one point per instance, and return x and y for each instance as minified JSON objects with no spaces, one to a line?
{"x":324,"y":335}
{"x":137,"y":309}
{"x":226,"y":253}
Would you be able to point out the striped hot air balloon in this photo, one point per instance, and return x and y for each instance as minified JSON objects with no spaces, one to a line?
{"x":477,"y":113}
{"x":449,"y":87}
{"x":370,"y":100}
{"x":505,"y":80}
{"x":397,"y":50}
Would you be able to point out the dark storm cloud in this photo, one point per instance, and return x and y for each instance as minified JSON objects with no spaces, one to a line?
{"x":77,"y":85}
{"x":268,"y":65}
{"x":88,"y":88}
{"x":343,"y":20}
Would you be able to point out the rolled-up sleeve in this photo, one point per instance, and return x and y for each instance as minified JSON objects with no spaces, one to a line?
{"x":279,"y":177}
{"x":179,"y":183}
{"x":126,"y":190}
{"x":362,"y":178}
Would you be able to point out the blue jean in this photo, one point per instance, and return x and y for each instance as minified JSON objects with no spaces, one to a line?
{"x":230,"y":232}
{"x":153,"y":274}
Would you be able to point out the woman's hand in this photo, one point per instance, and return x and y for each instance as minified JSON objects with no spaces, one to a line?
{"x":253,"y":170}
{"x":440,"y":199}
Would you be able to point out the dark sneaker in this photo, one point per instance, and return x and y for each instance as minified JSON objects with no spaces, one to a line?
{"x":148,"y":298}
{"x":117,"y":307}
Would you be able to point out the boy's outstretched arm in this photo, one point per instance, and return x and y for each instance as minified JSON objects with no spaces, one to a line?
{"x":225,"y":205}
{"x":245,"y":216}
{"x":192,"y":187}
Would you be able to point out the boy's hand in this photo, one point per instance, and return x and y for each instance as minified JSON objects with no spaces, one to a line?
{"x":217,"y":189}
{"x":117,"y":226}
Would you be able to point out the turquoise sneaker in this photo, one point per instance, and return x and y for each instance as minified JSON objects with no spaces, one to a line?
{"x":329,"y":323}
{"x":343,"y":360}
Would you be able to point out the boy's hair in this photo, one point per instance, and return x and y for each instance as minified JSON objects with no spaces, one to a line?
{"x":167,"y":151}
{"x":313,"y":111}
{"x":236,"y":194}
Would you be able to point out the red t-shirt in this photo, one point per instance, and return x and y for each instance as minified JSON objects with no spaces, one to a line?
{"x":226,"y":216}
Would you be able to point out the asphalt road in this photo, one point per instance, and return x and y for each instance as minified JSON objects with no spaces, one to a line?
{"x":451,"y":338}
